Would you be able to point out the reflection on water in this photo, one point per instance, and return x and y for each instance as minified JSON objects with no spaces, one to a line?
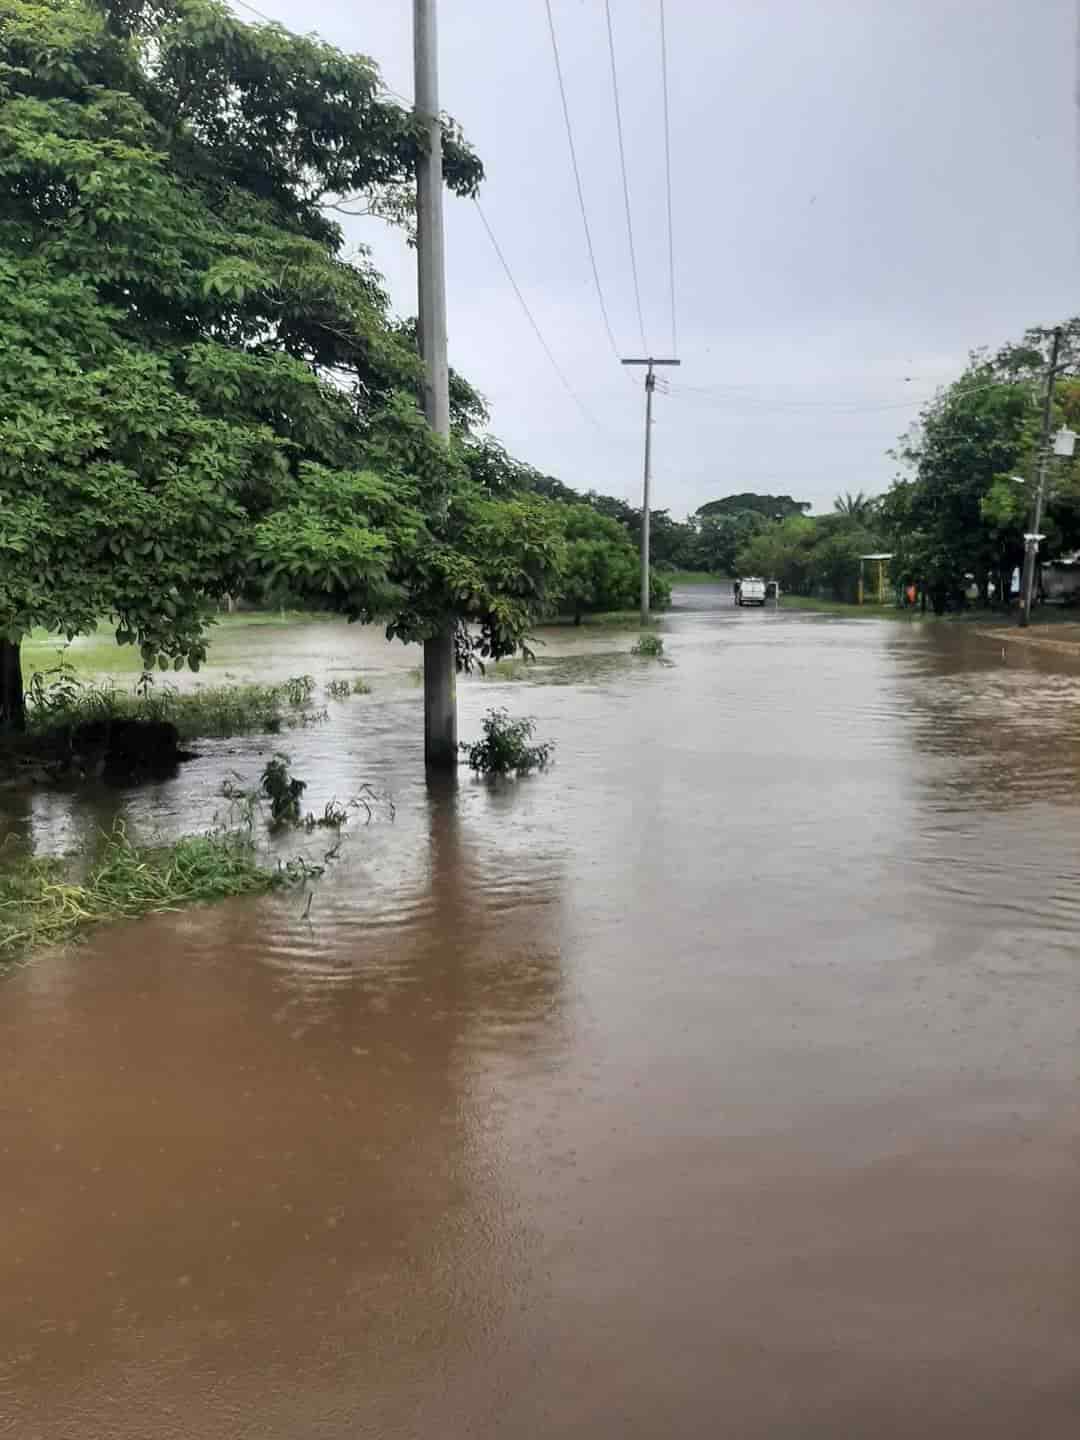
{"x":720,"y":1081}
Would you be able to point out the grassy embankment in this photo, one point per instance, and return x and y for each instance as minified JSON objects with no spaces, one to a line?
{"x":1045,"y":616}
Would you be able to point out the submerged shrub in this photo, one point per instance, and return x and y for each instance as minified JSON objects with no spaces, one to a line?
{"x":650,"y":645}
{"x":506,"y":747}
{"x":282,"y":790}
{"x":57,"y":699}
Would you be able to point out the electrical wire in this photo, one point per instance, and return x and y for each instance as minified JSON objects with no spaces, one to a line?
{"x":667,"y":169}
{"x":532,"y":321}
{"x":577,"y":183}
{"x":625,"y":181}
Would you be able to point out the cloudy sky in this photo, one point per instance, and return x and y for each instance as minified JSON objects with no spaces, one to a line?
{"x":863,"y":190}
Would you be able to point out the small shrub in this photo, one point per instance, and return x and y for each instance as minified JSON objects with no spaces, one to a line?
{"x":338,"y":689}
{"x":360,"y":686}
{"x":649,"y":645}
{"x":283,"y":792}
{"x":506,"y":747}
{"x":298,"y":689}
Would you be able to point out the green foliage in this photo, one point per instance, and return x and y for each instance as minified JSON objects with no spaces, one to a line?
{"x":43,"y":903}
{"x":57,"y":699}
{"x":720,"y":537}
{"x":769,"y":507}
{"x":507,"y":746}
{"x":199,"y":394}
{"x":282,"y":790}
{"x":648,"y":645}
{"x":600,"y":567}
{"x":958,"y":514}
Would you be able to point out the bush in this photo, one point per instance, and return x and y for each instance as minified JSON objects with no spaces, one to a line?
{"x":283,"y":792}
{"x":57,"y":699}
{"x":650,"y":645}
{"x":507,"y":747}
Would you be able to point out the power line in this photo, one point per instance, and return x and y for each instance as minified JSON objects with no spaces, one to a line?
{"x":532,"y":321}
{"x":625,"y":182}
{"x":577,"y":182}
{"x":667,"y":165}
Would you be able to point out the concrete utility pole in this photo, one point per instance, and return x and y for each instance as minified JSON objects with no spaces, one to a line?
{"x":440,"y":682}
{"x":650,"y":386}
{"x":1031,"y":540}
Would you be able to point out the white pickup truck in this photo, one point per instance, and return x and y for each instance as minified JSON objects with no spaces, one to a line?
{"x":750,"y":591}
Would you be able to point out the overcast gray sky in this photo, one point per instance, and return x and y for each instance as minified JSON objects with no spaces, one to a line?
{"x":863,"y":191}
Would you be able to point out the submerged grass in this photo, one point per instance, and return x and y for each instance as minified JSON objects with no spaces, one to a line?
{"x":629,"y":618}
{"x":43,"y":901}
{"x":58,"y":698}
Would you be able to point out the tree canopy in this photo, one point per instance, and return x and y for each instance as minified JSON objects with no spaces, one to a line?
{"x":771,"y":507}
{"x":199,"y":391}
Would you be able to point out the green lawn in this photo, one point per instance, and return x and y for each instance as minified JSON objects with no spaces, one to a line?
{"x":99,"y":654}
{"x":693,"y":577}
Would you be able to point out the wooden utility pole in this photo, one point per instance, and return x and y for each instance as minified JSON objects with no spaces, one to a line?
{"x":1032,"y":538}
{"x":650,"y":385}
{"x":440,"y":675}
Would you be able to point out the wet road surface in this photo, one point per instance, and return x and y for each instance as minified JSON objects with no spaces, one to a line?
{"x":722,"y":1081}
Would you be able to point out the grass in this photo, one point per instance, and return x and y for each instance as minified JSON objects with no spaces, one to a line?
{"x":1043,"y":615}
{"x":842,"y":607}
{"x":43,"y":902}
{"x":58,"y":698}
{"x":627,"y":618}
{"x":694,"y":577}
{"x":97,"y":653}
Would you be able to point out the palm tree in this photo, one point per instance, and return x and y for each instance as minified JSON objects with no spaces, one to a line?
{"x":859,"y":507}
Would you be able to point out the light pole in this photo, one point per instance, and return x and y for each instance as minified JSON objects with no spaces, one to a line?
{"x":1032,"y":536}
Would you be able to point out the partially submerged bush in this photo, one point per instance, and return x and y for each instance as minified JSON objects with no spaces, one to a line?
{"x":57,"y":699}
{"x":507,"y":747}
{"x":283,"y":791}
{"x":650,"y":645}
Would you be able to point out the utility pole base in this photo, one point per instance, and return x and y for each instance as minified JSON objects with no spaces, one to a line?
{"x":440,"y":702}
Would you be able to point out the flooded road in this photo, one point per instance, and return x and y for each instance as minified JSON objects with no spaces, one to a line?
{"x":720,"y":1082}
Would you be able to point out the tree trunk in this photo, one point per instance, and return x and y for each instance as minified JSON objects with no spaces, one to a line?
{"x":12,"y":708}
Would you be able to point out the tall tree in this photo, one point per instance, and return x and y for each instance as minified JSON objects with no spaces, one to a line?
{"x":199,"y":392}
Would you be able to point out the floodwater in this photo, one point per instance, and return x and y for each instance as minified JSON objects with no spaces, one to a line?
{"x":721,"y":1081}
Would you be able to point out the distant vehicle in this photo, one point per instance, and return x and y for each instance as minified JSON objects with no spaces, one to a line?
{"x":751,"y":591}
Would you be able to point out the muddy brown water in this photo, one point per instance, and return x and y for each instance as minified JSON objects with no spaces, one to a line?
{"x":721,"y":1082}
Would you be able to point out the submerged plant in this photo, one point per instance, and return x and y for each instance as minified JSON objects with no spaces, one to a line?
{"x":648,"y":645}
{"x":282,"y":790}
{"x":299,"y":689}
{"x":507,"y":747}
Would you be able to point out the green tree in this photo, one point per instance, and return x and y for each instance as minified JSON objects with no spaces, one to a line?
{"x":783,"y":552}
{"x":601,"y":567}
{"x":859,"y":507}
{"x":771,"y":507}
{"x":198,"y":392}
{"x":721,"y":538}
